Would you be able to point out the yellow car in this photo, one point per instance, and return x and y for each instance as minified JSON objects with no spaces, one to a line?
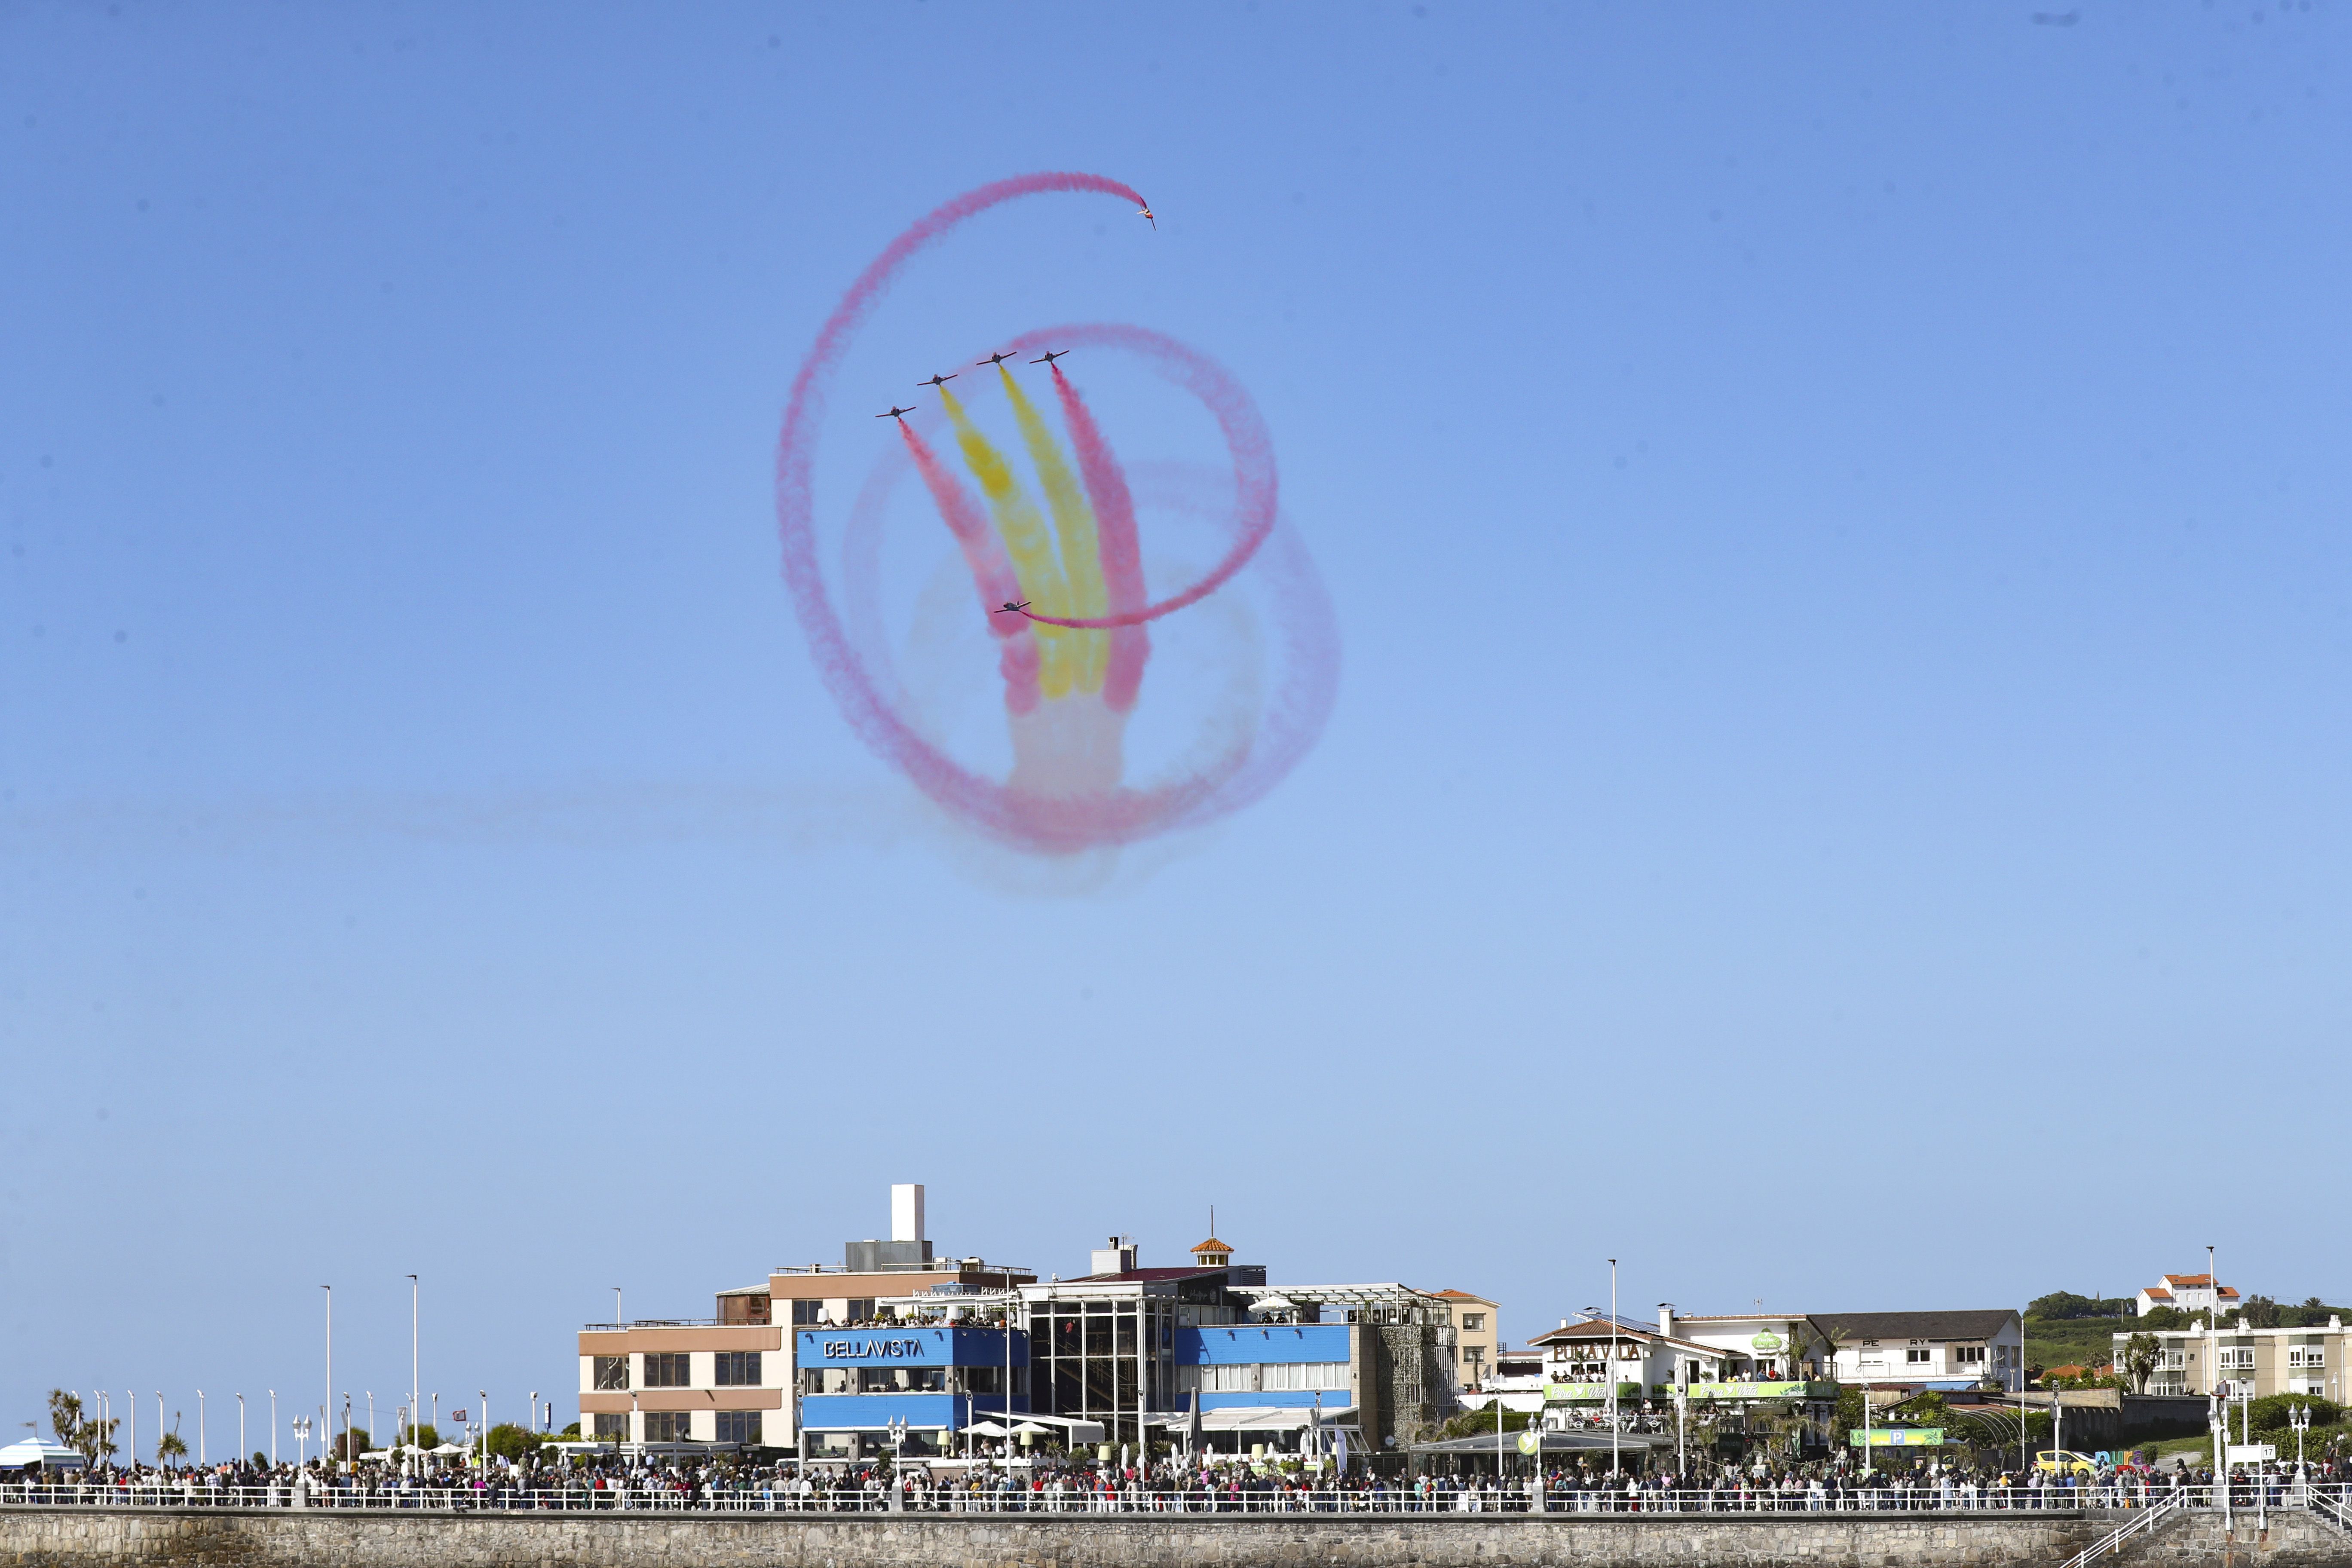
{"x":2060,"y":1461}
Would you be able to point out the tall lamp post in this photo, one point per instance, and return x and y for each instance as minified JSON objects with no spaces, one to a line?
{"x":1614,"y":1468}
{"x":330,"y":1405}
{"x":240,"y":1429}
{"x":415,"y":1380}
{"x":202,"y":1457}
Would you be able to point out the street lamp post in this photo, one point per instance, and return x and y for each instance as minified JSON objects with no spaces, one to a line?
{"x":416,"y":1382}
{"x":273,"y":1428}
{"x":240,"y":1429}
{"x":330,"y":1405}
{"x":202,"y":1458}
{"x":483,"y":1394}
{"x":1614,"y":1469}
{"x":159,"y":1428}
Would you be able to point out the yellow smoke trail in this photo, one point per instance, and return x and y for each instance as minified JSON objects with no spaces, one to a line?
{"x":1074,"y":520}
{"x":1030,"y":545}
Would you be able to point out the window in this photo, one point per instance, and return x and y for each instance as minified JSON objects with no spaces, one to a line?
{"x":668,"y":1426}
{"x":828,"y":1380}
{"x":2305,"y":1355}
{"x":1917,"y":1355}
{"x":612,"y":1427}
{"x":1969,"y":1355}
{"x":1251,"y":1377}
{"x":861,"y":1309}
{"x":901,"y":1379}
{"x":736,"y":1369}
{"x":668,"y":1372}
{"x":739,"y":1426}
{"x":807,"y":1314}
{"x":2238,"y":1360}
{"x":612,"y":1372}
{"x":1473,"y":1322}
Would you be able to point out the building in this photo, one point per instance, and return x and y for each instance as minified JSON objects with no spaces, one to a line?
{"x":897,"y":1346}
{"x":2262,"y":1362}
{"x":742,"y":1376}
{"x":1767,"y":1347}
{"x":1211,"y":1353}
{"x":1477,"y":1336}
{"x":2189,"y":1293}
{"x":1952,"y":1350}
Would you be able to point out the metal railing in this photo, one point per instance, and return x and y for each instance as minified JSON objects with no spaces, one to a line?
{"x":785,"y":1496}
{"x":2144,"y":1520}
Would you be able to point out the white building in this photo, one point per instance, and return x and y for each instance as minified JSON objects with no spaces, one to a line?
{"x":2190,"y":1293}
{"x":1932,"y":1349}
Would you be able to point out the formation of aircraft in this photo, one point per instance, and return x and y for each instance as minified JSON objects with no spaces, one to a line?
{"x":998,"y":359}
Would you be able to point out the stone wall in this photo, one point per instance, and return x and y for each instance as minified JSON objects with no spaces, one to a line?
{"x":173,"y":1538}
{"x":2286,"y":1538}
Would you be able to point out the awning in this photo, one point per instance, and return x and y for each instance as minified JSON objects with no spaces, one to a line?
{"x":1262,"y":1417}
{"x":1581,"y":1440}
{"x":34,"y":1451}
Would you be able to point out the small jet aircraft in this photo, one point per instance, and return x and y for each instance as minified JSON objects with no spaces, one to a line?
{"x":937,"y":380}
{"x":997,"y":358}
{"x":1146,"y":212}
{"x":896,"y":413}
{"x":1011,"y":608}
{"x":1051,"y":355}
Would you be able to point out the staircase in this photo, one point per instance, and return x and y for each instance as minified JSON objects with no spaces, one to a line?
{"x":2174,"y":1505}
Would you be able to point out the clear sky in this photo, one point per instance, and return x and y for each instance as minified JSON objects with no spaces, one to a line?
{"x":1837,"y":789}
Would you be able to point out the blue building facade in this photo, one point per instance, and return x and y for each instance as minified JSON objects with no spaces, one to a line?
{"x":1272,"y":1365}
{"x":938,"y":1379}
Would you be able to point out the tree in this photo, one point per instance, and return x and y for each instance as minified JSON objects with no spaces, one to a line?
{"x":170,"y":1447}
{"x":426,"y":1436}
{"x":2141,"y":1356}
{"x":2064,"y":1304}
{"x":2260,"y":1312}
{"x":512,"y":1442}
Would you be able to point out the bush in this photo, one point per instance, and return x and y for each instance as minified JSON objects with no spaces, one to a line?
{"x":2270,"y":1414}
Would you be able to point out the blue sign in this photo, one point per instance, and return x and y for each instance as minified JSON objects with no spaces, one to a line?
{"x":1241,"y":1344}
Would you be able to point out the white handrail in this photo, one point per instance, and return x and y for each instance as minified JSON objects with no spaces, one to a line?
{"x":2139,"y":1523}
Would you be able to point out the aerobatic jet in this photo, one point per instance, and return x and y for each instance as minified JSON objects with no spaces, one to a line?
{"x":1011,"y":608}
{"x":896,"y":413}
{"x":1051,"y":355}
{"x":1146,"y":212}
{"x":937,"y":380}
{"x":997,"y":359}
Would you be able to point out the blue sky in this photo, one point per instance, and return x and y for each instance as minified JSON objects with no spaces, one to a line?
{"x":1835,"y":796}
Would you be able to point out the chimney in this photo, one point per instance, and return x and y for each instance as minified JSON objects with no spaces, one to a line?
{"x":1666,"y":1318}
{"x":907,"y":1212}
{"x":1118,"y":1258}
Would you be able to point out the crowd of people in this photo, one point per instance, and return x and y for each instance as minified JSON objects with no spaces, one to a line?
{"x":1175,"y":1482}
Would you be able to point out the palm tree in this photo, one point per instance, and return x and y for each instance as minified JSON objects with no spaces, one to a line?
{"x":2139,"y":1360}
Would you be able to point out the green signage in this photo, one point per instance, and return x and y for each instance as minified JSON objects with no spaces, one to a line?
{"x":1530,"y":1440}
{"x":1767,"y":1340}
{"x":1572,"y":1391}
{"x":1897,"y":1437}
{"x":1757,"y":1391}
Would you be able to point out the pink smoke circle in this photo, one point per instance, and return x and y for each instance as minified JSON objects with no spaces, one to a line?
{"x":1239,"y":771}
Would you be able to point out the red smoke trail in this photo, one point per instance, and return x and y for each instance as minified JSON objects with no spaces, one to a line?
{"x":1238,"y":770}
{"x":991,"y":571}
{"x":1120,"y":549}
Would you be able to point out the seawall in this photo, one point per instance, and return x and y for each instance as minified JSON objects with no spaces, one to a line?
{"x":175,"y":1538}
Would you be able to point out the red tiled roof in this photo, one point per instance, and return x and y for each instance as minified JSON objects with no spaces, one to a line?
{"x":1213,"y":1245}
